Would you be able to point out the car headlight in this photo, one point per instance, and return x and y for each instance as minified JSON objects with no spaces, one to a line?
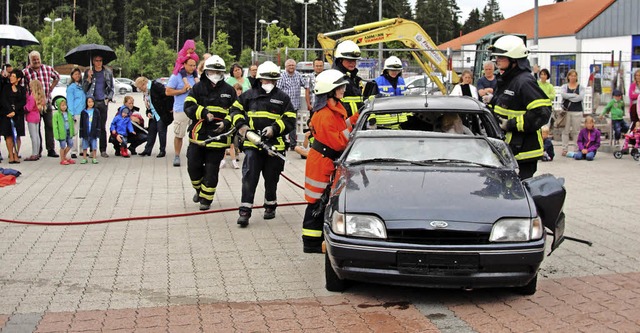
{"x":366,"y":226}
{"x":516,"y":230}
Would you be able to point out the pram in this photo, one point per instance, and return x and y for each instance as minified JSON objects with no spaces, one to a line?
{"x":629,"y":148}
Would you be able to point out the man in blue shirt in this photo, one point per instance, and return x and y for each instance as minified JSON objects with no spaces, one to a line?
{"x":179,"y":90}
{"x":488,"y":83}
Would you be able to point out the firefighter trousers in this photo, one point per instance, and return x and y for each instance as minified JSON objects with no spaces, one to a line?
{"x":312,"y":226}
{"x":258,"y":162}
{"x":203,"y":165}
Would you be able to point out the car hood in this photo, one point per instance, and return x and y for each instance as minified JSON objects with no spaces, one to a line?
{"x":417,"y":193}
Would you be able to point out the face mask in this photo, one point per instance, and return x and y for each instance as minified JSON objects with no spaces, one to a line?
{"x":214,"y":77}
{"x":268,"y":87}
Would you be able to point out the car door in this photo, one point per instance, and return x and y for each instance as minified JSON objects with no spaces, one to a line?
{"x":548,"y":194}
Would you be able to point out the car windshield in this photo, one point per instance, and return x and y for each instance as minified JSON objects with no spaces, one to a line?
{"x":459,"y":150}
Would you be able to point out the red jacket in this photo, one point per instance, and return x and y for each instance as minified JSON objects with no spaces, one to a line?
{"x":328,"y":126}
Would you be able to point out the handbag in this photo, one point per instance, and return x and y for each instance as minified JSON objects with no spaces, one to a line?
{"x":559,"y":118}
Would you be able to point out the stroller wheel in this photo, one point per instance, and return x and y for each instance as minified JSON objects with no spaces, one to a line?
{"x":617,"y":154}
{"x":635,"y":153}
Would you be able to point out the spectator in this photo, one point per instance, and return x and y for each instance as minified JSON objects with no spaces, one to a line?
{"x":121,"y":126}
{"x":487,"y":83}
{"x":549,"y":153}
{"x":545,"y":85}
{"x":63,"y":130}
{"x":236,"y":77}
{"x":595,"y":81}
{"x":36,"y":104}
{"x":90,"y":131}
{"x":159,"y":107}
{"x":188,"y":51}
{"x":588,"y":141}
{"x":201,"y":63}
{"x":310,"y":97}
{"x":290,"y":84}
{"x":98,"y":83}
{"x":465,"y":88}
{"x":616,"y":107}
{"x":634,"y":94}
{"x":13,"y":100}
{"x":231,"y":151}
{"x":76,"y":99}
{"x":253,"y":71}
{"x":536,"y":71}
{"x":49,"y":79}
{"x":179,"y":91}
{"x":633,"y":134}
{"x":572,"y":96}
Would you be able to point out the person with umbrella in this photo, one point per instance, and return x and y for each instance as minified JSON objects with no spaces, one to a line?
{"x":13,"y":99}
{"x":98,"y":83}
{"x":49,"y":79}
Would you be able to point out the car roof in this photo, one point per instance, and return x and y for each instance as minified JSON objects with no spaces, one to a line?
{"x":435,"y":103}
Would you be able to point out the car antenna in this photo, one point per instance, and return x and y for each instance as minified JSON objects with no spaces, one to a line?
{"x":426,"y":98}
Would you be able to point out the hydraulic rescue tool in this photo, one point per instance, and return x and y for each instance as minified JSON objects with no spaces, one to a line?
{"x":256,"y":139}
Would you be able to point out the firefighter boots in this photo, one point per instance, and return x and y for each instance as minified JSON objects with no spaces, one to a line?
{"x":269,"y":213}
{"x":196,"y":197}
{"x":243,"y":219}
{"x":204,"y":206}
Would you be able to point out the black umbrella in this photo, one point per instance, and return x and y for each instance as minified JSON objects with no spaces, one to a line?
{"x":16,"y":35}
{"x":83,"y":54}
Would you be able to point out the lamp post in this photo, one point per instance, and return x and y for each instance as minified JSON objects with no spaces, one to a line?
{"x":261,"y":21}
{"x":47,"y":19}
{"x":305,"y":3}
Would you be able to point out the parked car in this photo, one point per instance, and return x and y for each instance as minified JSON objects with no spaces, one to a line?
{"x":127,"y":81}
{"x":163,"y":80}
{"x":420,"y":207}
{"x":122,"y":88}
{"x":421,"y":84}
{"x":60,"y":90}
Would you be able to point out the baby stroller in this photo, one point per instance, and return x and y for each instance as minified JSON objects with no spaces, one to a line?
{"x":629,"y":147}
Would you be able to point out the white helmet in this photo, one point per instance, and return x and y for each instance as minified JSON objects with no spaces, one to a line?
{"x":393,"y":63}
{"x":268,"y":71}
{"x":329,"y":80}
{"x":347,"y":50}
{"x":215,"y":63}
{"x":509,"y":46}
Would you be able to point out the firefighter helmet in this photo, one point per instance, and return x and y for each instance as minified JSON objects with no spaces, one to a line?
{"x":328,"y":81}
{"x":268,"y":71}
{"x":347,"y":50}
{"x":393,"y":63}
{"x":509,"y":46}
{"x":215,"y":63}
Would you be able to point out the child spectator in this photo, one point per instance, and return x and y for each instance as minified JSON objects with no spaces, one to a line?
{"x":89,"y":131}
{"x":36,"y":104}
{"x":63,"y":130}
{"x":588,"y":141}
{"x":121,"y":125}
{"x":616,"y":107}
{"x":232,"y":148}
{"x":549,"y":153}
{"x":188,"y":51}
{"x":634,"y":134}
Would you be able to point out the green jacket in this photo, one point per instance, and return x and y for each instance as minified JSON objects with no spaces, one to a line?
{"x":616,"y":108}
{"x":59,"y":132}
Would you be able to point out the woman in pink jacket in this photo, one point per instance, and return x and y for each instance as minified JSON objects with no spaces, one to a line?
{"x":36,"y":104}
{"x":634,"y":93}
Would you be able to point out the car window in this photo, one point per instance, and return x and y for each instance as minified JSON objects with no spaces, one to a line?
{"x":431,"y":121}
{"x":420,"y":148}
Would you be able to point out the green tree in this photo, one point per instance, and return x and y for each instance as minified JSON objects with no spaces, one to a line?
{"x":245,"y":57}
{"x":439,"y":18}
{"x":280,"y":38}
{"x":222,"y":48}
{"x":123,"y":62}
{"x":473,"y":23}
{"x":65,"y":37}
{"x":491,"y":13}
{"x":143,"y":57}
{"x":164,"y":60}
{"x":93,"y":36}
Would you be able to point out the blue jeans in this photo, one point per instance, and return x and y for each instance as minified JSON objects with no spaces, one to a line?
{"x":589,"y":156}
{"x":618,"y":127}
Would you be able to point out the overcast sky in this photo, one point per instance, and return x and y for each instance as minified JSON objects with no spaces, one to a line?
{"x":507,"y":7}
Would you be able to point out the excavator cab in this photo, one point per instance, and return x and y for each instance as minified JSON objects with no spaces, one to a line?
{"x":483,"y":54}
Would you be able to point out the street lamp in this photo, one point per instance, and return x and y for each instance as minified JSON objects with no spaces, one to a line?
{"x":305,"y":3}
{"x":47,"y":19}
{"x":261,"y":21}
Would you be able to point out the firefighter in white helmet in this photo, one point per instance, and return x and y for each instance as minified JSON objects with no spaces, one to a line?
{"x":521,"y":106}
{"x":207,"y":105}
{"x":329,"y":128}
{"x":267,"y":111}
{"x":391,"y":83}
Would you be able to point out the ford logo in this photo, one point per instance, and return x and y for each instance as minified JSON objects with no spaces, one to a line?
{"x":439,"y":224}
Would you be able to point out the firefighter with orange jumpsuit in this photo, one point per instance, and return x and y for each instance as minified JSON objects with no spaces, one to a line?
{"x":330,"y":127}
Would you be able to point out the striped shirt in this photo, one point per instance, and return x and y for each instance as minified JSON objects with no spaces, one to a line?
{"x":291,"y":85}
{"x":45,"y":74}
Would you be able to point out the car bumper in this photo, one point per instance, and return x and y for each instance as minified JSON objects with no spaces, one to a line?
{"x":476,"y":266}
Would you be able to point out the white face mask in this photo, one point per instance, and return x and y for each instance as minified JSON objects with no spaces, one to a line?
{"x":268,"y":87}
{"x":214,"y":76}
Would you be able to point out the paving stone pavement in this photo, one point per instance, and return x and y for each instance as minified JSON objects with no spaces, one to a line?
{"x":202,"y":273}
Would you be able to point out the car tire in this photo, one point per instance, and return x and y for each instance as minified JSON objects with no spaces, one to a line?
{"x":332,"y":281}
{"x":529,"y":288}
{"x":122,"y":91}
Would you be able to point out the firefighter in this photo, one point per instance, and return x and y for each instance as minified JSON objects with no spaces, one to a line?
{"x":391,"y":83}
{"x":207,"y":105}
{"x":521,"y":106}
{"x":267,"y":111}
{"x":345,"y":58}
{"x":331,"y":134}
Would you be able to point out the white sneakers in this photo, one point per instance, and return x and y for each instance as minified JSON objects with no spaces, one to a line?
{"x":233,"y":162}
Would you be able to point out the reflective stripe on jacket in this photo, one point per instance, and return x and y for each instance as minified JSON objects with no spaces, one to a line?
{"x":203,"y":99}
{"x":520,"y":100}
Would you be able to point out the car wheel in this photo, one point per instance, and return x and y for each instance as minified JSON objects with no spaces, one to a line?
{"x":332,"y":281}
{"x":529,"y":288}
{"x":122,"y":91}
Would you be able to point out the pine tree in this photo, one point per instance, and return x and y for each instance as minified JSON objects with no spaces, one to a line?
{"x":473,"y":23}
{"x":491,"y":13}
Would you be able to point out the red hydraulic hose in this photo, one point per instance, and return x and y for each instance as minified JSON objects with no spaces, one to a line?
{"x":152,"y":217}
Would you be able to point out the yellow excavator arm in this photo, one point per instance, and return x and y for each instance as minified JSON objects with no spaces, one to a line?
{"x":408,"y":32}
